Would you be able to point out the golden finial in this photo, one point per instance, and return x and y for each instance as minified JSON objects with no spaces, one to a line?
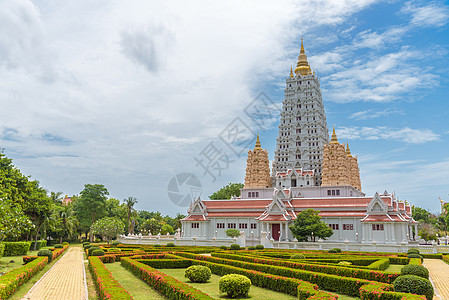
{"x":334,"y":137}
{"x":348,"y":151}
{"x":291,"y":72}
{"x":302,"y":67}
{"x":258,"y":146}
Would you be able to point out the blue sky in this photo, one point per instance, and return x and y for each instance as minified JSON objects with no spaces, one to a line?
{"x":129,"y":94}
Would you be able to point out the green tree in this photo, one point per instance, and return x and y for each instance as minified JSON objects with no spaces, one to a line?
{"x":167,"y":229}
{"x":308,"y":224}
{"x":226,"y":192}
{"x":91,"y":205}
{"x":13,"y":222}
{"x":427,"y":232}
{"x":152,"y":226}
{"x":107,"y":227}
{"x":130,"y":202}
{"x":420,"y":214}
{"x":233,"y":232}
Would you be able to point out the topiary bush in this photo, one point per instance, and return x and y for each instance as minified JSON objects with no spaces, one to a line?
{"x":413,"y":255}
{"x":260,"y":247}
{"x":198,"y":273}
{"x":47,"y":253}
{"x":413,"y":251}
{"x":345,"y":263}
{"x":170,"y":245}
{"x":235,"y":247}
{"x":234,"y":285}
{"x":97,"y":252}
{"x":85,"y":244}
{"x":115,"y":243}
{"x":91,"y":249}
{"x":65,"y":244}
{"x":417,"y":270}
{"x":298,"y":256}
{"x":335,"y":250}
{"x":233,"y":233}
{"x":87,"y":247}
{"x":413,"y":284}
{"x":58,"y":246}
{"x":157,"y":246}
{"x":223,"y":247}
{"x":251,"y":248}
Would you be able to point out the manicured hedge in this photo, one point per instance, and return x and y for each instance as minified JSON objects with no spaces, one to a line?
{"x":16,"y":248}
{"x":166,"y":263}
{"x":166,"y":285}
{"x":383,"y":291}
{"x":110,"y":258}
{"x":27,"y":259}
{"x":58,"y":252}
{"x":11,"y":281}
{"x":334,"y":270}
{"x":382,"y":264}
{"x":2,"y":249}
{"x":107,"y":286}
{"x":446,"y":258}
{"x":432,"y":256}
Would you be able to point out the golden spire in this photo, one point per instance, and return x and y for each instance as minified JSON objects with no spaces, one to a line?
{"x":334,"y":137}
{"x":348,"y":151}
{"x":291,"y":72}
{"x":302,"y":67}
{"x":258,"y":146}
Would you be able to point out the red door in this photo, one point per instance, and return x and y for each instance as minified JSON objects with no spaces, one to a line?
{"x":275,"y":231}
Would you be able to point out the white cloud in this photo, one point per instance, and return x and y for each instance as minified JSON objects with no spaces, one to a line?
{"x":372,"y":114}
{"x":430,"y":14}
{"x":406,"y":135}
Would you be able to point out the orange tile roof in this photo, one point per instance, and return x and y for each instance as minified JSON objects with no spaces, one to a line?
{"x":242,"y":204}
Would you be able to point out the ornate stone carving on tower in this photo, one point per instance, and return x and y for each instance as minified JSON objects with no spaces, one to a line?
{"x":303,"y":129}
{"x":257,"y":168}
{"x":339,"y":166}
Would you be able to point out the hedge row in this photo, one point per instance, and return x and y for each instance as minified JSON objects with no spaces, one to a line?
{"x":382,"y":291}
{"x":27,"y":259}
{"x":10,"y":281}
{"x":333,"y":283}
{"x":59,"y":251}
{"x":166,"y":263}
{"x":167,"y":285}
{"x":446,"y":258}
{"x":107,"y":286}
{"x":399,"y":260}
{"x":110,"y":258}
{"x":432,"y":256}
{"x":16,"y":248}
{"x":382,"y":264}
{"x":415,"y":261}
{"x":334,"y":270}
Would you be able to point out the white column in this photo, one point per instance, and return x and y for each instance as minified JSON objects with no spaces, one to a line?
{"x":416,"y":231}
{"x":404,"y":235}
{"x":363,"y":232}
{"x":340,"y":229}
{"x":386,"y":232}
{"x":393,"y":238}
{"x":282,"y":231}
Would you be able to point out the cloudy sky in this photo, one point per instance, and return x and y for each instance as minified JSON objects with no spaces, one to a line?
{"x":131,"y":93}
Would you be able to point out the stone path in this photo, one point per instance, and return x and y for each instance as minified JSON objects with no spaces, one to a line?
{"x":65,"y":280}
{"x":439,"y":275}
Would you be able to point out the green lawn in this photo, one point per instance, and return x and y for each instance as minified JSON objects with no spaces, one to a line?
{"x":138,"y":289}
{"x":394,"y":268}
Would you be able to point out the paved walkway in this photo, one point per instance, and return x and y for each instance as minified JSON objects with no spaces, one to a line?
{"x":65,"y":280}
{"x":439,"y":275}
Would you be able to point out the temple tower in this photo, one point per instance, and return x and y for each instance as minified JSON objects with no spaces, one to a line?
{"x":303,"y":129}
{"x":339,"y":166}
{"x":257,"y":168}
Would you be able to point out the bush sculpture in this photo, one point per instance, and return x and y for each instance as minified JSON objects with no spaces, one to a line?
{"x":235,"y":247}
{"x":415,"y":285}
{"x":415,"y":270}
{"x":92,"y":249}
{"x":335,"y":250}
{"x":58,"y":246}
{"x":413,"y":251}
{"x":260,"y":247}
{"x":97,"y":252}
{"x":47,"y":253}
{"x":234,"y":285}
{"x":198,"y":274}
{"x":170,"y":245}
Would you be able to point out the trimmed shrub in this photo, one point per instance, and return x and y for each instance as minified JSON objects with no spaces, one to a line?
{"x":46,"y":253}
{"x":298,"y":256}
{"x":413,"y":250}
{"x":11,"y":281}
{"x":251,"y":248}
{"x":58,"y":246}
{"x":345,"y":263}
{"x":335,"y":250}
{"x":260,"y":247}
{"x":417,"y":270}
{"x":65,"y":244}
{"x":16,"y":248}
{"x":27,"y":259}
{"x":85,"y":244}
{"x":91,"y":249}
{"x":413,"y":255}
{"x":415,"y":285}
{"x":198,"y":273}
{"x":97,"y":252}
{"x":223,"y":247}
{"x":2,"y":249}
{"x":157,"y":246}
{"x":115,"y":243}
{"x":235,"y":247}
{"x":107,"y":286}
{"x":114,"y":250}
{"x":234,"y":285}
{"x":170,"y":245}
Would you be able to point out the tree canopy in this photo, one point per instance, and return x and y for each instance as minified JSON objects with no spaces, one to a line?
{"x":308,"y":224}
{"x":226,"y":192}
{"x":108,"y":227}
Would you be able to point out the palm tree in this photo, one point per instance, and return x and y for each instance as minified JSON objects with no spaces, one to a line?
{"x":56,"y":197}
{"x":68,"y":220}
{"x":130,"y":208}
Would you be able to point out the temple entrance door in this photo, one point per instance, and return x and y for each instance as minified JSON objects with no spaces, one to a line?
{"x":275,"y":231}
